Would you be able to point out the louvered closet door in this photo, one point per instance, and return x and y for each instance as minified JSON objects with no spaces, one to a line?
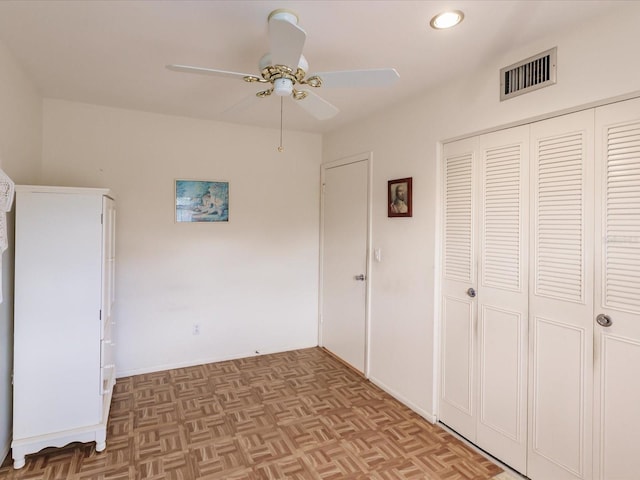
{"x":503,"y":296}
{"x":561,"y":298}
{"x":617,"y":347}
{"x":457,"y":390}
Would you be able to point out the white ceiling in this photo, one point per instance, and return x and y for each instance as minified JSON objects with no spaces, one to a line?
{"x":114,"y":52}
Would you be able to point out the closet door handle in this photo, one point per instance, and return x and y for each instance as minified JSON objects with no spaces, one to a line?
{"x":604,"y":320}
{"x":471,"y":292}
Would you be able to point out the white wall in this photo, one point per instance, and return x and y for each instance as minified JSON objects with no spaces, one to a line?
{"x":20,"y":149}
{"x":595,"y":62}
{"x":251,"y":284}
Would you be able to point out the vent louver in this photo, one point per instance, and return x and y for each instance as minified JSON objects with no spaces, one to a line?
{"x":531,"y":74}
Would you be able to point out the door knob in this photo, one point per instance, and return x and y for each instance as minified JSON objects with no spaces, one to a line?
{"x":360,"y":277}
{"x":471,"y":292}
{"x":604,"y":320}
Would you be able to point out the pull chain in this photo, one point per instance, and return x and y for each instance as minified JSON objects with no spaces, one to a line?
{"x":281,"y":148}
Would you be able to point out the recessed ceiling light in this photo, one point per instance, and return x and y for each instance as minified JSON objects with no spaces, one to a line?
{"x":447,"y":19}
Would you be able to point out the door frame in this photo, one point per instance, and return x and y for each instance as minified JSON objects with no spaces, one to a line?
{"x":366,"y":157}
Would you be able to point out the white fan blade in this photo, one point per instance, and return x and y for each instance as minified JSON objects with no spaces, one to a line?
{"x":317,"y":106}
{"x":380,"y":77}
{"x":208,"y":71}
{"x":243,"y":104}
{"x":286,"y":41}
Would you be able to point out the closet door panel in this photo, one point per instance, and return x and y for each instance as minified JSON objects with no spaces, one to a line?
{"x":558,"y":428}
{"x":502,"y":359}
{"x":457,"y":388}
{"x":561,"y":298}
{"x":617,"y":290}
{"x":503,"y":295}
{"x":458,"y":340}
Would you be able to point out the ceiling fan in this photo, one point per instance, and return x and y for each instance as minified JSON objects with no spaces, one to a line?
{"x":284,"y":68}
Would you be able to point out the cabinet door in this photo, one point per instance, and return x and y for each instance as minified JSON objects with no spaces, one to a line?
{"x":561,"y":298}
{"x":503,"y":296}
{"x":458,"y":308}
{"x":57,"y":308}
{"x":107,"y":350}
{"x":617,"y":292}
{"x":108,"y":266}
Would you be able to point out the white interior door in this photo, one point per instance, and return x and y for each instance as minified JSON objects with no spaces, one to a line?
{"x":561,"y":298}
{"x":503,"y":296}
{"x":458,"y":308}
{"x":344,"y":260}
{"x":617,"y":293}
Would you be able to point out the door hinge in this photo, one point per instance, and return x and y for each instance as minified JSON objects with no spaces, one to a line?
{"x":324,"y":187}
{"x":100,"y":315}
{"x":102,"y":219}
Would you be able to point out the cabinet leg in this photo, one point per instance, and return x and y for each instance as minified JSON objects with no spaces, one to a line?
{"x":18,"y":462}
{"x":101,"y":439}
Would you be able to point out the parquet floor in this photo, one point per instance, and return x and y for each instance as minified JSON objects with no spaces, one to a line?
{"x":296,"y":415}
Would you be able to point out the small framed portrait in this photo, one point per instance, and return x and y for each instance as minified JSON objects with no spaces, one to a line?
{"x":202,"y":201}
{"x":400,"y":194}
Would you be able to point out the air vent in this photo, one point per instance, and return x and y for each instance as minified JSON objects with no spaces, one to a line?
{"x":531,"y":74}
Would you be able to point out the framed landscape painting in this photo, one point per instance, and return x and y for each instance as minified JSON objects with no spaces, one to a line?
{"x":202,"y":201}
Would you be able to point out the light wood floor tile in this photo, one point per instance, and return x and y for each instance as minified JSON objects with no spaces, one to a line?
{"x":298,"y":415}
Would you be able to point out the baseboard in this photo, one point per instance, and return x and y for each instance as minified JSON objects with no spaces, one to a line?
{"x":171,"y":366}
{"x":203,"y":361}
{"x":429,"y":417}
{"x":4,"y":450}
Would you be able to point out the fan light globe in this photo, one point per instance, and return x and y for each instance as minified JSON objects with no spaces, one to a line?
{"x":282,"y":87}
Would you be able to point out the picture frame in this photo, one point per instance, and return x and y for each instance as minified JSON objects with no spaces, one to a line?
{"x":400,"y":197}
{"x":201,"y":201}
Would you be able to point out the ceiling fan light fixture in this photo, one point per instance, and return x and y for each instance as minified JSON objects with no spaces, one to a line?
{"x":285,"y":67}
{"x":446,"y":19}
{"x":282,"y":87}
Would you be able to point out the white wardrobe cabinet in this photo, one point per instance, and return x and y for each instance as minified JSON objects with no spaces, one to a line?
{"x":64,"y":368}
{"x":541,"y":365}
